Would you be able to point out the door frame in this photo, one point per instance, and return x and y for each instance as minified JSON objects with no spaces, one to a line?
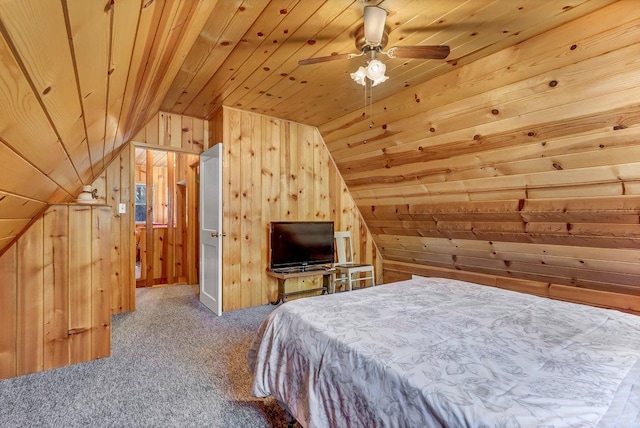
{"x":193,"y":216}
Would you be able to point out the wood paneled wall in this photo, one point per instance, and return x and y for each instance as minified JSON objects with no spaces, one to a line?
{"x":160,"y":243}
{"x":78,"y":79}
{"x":115,"y":186}
{"x":54,"y":298}
{"x":276,"y":170}
{"x":172,"y":225}
{"x":160,"y":190}
{"x":524,"y":164}
{"x":175,"y":132}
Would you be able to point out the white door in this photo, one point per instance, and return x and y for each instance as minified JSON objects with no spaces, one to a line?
{"x":211,"y":228}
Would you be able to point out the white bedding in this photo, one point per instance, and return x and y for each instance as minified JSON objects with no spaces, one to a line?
{"x":433,"y":352}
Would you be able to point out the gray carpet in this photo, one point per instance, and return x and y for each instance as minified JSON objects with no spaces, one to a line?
{"x":173,"y":364}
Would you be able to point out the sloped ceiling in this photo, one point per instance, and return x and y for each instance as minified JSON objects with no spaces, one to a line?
{"x":78,"y":77}
{"x":247,"y":54}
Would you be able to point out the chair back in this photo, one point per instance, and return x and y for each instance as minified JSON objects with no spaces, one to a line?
{"x":344,"y":250}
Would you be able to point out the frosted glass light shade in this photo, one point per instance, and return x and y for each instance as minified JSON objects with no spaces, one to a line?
{"x":359,"y":76}
{"x":375,"y":69}
{"x":375,"y":72}
{"x":374,"y":18}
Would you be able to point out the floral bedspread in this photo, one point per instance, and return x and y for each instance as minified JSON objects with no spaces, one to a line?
{"x":433,"y":352}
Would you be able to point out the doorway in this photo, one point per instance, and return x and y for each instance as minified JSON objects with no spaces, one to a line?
{"x":165,"y":217}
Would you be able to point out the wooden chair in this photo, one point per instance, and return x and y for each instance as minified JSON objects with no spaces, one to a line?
{"x":348,"y":272}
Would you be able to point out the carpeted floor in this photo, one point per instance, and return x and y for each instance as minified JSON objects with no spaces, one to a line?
{"x":173,"y":364}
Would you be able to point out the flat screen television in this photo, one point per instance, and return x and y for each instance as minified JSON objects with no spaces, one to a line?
{"x":298,"y":244}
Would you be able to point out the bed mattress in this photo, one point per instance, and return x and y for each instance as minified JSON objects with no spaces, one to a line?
{"x":434,"y":352}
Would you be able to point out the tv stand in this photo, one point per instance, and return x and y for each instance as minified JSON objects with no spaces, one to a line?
{"x":300,"y":269}
{"x":282,"y":276}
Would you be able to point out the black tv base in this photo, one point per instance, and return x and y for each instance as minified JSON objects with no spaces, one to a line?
{"x":327,"y":281}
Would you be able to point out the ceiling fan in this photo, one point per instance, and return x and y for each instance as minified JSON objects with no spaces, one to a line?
{"x":371,"y":39}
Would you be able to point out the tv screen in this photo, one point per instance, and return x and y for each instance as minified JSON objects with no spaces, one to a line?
{"x":301,"y":243}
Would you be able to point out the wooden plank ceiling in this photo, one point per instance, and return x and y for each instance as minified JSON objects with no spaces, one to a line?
{"x":247,"y":54}
{"x":78,"y":78}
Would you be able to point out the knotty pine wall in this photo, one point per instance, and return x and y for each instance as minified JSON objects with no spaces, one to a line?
{"x":73,"y":267}
{"x":170,"y":207}
{"x":78,"y":79}
{"x":114,"y":187}
{"x":165,"y":131}
{"x":183,"y":162}
{"x":275,"y":170}
{"x":160,"y":190}
{"x":521,"y":166}
{"x":175,"y":132}
{"x":54,"y":298}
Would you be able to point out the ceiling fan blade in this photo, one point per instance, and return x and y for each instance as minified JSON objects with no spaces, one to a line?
{"x":320,"y":59}
{"x":424,"y":52}
{"x":374,"y":18}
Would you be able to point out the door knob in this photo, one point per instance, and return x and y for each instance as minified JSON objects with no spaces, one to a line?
{"x":216,"y":234}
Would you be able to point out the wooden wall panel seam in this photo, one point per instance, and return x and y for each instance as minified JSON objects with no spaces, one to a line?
{"x":262,"y":152}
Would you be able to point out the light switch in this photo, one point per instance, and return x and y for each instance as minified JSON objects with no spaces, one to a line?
{"x":122,"y":208}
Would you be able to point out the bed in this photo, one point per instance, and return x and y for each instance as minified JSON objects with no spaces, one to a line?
{"x":434,"y":352}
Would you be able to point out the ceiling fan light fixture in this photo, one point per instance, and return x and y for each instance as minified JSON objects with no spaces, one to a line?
{"x":375,"y":72}
{"x":374,"y":20}
{"x":359,"y":76}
